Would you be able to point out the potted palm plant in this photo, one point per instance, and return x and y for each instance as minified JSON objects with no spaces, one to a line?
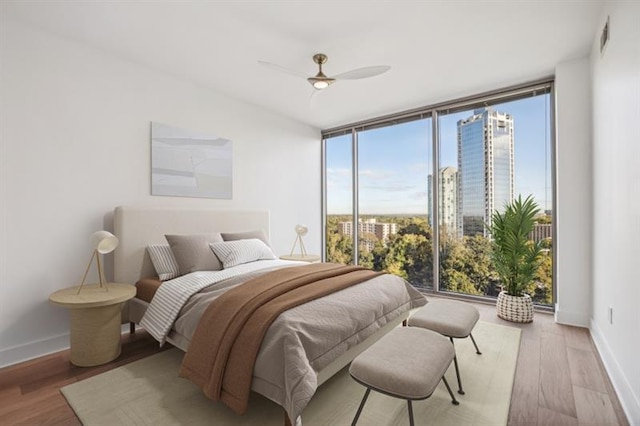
{"x":515,"y":257}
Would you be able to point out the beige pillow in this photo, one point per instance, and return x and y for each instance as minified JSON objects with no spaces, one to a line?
{"x":234,"y":236}
{"x":192,"y":252}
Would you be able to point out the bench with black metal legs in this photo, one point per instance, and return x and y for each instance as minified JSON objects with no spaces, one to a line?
{"x":450,"y":318}
{"x":407,"y":363}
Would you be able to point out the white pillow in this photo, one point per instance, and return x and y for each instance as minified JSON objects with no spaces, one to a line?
{"x":232,"y":253}
{"x":163,"y":261}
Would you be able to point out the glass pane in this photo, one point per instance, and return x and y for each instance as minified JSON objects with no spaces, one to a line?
{"x":339,"y":196}
{"x":488,"y":157}
{"x":394,"y":163}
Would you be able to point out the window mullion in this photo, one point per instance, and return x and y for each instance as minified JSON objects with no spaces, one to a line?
{"x":435,"y":202}
{"x":354,"y":167}
{"x":323,"y":198}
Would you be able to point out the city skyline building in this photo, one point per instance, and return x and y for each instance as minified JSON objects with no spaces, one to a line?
{"x":541,"y":231}
{"x":485,"y":168}
{"x":381,"y":231}
{"x":447,"y":200}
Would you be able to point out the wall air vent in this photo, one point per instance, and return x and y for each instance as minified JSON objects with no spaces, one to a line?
{"x":604,"y":37}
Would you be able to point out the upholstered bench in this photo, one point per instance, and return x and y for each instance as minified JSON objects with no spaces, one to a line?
{"x":450,"y":318}
{"x":407,"y":363}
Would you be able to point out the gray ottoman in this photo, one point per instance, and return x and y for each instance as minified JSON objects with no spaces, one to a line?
{"x":450,"y":318}
{"x":407,"y":363}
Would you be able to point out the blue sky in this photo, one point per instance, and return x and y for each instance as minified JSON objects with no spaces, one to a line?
{"x":394,"y":161}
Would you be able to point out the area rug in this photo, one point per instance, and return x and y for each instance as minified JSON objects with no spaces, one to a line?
{"x":149,"y":392}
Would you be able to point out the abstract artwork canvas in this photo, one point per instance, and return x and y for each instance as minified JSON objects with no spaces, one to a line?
{"x":190,"y":164}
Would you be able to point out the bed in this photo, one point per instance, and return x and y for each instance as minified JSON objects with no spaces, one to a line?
{"x":136,"y":228}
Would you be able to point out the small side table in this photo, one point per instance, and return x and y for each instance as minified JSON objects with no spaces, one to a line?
{"x":95,"y":317}
{"x":307,"y":258}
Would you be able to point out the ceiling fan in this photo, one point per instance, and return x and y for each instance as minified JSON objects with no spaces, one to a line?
{"x":320,"y":81}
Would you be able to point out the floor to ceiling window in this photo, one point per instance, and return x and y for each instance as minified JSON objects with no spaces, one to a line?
{"x":386,"y":209}
{"x":338,"y":178}
{"x":394,"y":235}
{"x":493,"y":154}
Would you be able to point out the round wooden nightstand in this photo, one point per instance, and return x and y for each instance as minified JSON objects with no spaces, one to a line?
{"x":307,"y":258}
{"x":95,"y":317}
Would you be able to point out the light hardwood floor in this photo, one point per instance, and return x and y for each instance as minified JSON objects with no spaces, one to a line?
{"x":559,"y":380}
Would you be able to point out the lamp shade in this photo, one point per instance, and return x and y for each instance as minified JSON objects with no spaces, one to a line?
{"x":301,"y":230}
{"x":104,"y":242}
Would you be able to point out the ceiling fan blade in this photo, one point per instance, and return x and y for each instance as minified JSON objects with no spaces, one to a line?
{"x":282,"y":69}
{"x":365,"y":72}
{"x":313,"y":98}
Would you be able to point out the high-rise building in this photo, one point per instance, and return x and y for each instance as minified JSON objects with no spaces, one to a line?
{"x":447,"y":200}
{"x":485,"y":168}
{"x":345,"y":228}
{"x":369,"y":228}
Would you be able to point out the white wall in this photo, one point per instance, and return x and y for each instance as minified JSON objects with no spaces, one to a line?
{"x":573,"y":186}
{"x":75,"y":143}
{"x":616,"y":201}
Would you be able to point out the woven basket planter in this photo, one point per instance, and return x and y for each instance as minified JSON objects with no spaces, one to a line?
{"x":515,"y":308}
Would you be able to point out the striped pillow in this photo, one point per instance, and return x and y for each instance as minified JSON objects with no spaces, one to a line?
{"x":163,"y":261}
{"x":232,"y":253}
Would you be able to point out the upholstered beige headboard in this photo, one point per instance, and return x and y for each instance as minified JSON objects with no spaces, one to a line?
{"x":136,"y":227}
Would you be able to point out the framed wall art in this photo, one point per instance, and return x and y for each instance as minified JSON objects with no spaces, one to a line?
{"x":186,"y":163}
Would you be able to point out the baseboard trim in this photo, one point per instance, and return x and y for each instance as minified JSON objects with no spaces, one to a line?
{"x":571,"y":318}
{"x":628,"y":400}
{"x":32,"y":350}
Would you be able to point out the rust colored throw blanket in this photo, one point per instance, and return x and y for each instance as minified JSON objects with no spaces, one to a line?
{"x":227,"y":340}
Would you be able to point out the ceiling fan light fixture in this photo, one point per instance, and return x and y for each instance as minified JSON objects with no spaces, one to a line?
{"x":320,"y":83}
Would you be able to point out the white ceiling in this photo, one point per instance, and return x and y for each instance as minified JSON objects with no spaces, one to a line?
{"x":437,"y":49}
